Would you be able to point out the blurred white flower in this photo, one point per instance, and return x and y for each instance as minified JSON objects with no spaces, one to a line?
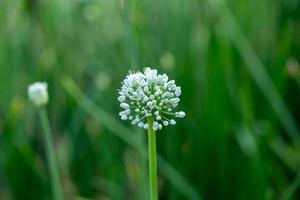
{"x":147,"y":94}
{"x":38,"y":93}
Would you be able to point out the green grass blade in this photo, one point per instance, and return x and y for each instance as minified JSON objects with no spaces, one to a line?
{"x":257,"y":69}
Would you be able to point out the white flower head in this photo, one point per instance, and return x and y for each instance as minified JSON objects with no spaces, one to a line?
{"x":149,"y":94}
{"x":38,"y":93}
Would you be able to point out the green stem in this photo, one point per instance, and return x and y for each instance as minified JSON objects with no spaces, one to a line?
{"x":54,"y":172}
{"x":152,"y":160}
{"x":292,"y":189}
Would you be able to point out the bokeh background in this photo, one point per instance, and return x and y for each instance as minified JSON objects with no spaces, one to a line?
{"x":237,"y":62}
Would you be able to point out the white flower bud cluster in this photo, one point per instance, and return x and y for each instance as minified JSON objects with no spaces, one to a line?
{"x":38,"y":93}
{"x":149,"y":94}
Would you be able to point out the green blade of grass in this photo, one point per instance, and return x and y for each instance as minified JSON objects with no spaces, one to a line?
{"x":290,"y":191}
{"x":256,"y":69}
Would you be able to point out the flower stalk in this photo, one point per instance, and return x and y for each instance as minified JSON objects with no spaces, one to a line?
{"x":38,"y":95}
{"x":148,"y":100}
{"x":152,"y":160}
{"x":52,"y":165}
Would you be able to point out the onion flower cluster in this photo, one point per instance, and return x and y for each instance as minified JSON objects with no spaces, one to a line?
{"x":149,"y":94}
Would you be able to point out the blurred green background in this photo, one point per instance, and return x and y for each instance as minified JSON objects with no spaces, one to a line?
{"x":237,"y":62}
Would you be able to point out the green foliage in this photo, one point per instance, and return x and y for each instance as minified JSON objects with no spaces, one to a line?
{"x":237,"y":62}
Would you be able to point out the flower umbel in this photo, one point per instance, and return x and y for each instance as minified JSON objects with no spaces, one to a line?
{"x":147,"y":94}
{"x":38,"y":93}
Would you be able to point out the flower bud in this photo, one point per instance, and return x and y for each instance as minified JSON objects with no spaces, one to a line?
{"x":38,"y":93}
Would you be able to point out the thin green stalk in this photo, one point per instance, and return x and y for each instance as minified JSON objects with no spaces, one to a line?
{"x":292,"y":189}
{"x":54,"y":173}
{"x":152,"y":160}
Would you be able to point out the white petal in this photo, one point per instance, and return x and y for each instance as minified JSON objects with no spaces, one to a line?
{"x":172,"y":122}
